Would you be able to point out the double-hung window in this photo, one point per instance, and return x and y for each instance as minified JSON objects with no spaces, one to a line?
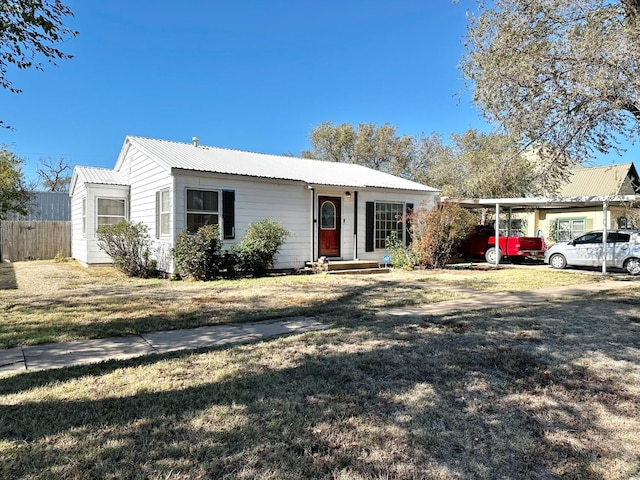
{"x":84,"y":216}
{"x":569,"y":228}
{"x":163,"y":209}
{"x":110,"y":211}
{"x":389,"y":218}
{"x":202,"y":209}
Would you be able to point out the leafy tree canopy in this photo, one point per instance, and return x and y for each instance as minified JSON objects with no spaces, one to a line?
{"x":13,"y":193}
{"x":472,"y":164}
{"x":29,"y":33}
{"x":561,"y":75}
{"x":475,"y":165}
{"x":375,"y":147}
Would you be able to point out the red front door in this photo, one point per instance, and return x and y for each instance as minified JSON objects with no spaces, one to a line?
{"x":329,"y":231}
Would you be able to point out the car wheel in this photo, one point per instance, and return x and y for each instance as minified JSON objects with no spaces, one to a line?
{"x":490,"y":255}
{"x":558,"y":261}
{"x":632,"y":266}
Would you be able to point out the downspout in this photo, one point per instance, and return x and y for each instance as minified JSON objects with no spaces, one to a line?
{"x":604,"y":237}
{"x":355,"y":225}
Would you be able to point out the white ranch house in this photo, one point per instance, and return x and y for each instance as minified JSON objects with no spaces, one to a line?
{"x":335,"y":210}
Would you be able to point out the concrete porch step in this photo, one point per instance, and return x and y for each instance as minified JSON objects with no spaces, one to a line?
{"x":359,"y":271}
{"x":350,"y":265}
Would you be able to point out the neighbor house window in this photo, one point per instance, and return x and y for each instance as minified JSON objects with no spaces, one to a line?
{"x":84,"y":216}
{"x":163,"y":209}
{"x":389,"y":219}
{"x":202,"y":209}
{"x":110,"y":211}
{"x":569,"y":228}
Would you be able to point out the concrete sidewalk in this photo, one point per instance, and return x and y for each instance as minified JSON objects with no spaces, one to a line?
{"x":57,"y":355}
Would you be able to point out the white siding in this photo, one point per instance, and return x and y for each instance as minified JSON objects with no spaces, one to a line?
{"x":288,"y":203}
{"x":94,"y":254}
{"x":78,"y":239}
{"x":147,"y":177}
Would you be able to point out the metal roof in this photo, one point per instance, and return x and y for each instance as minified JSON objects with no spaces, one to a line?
{"x":600,"y":181}
{"x":544,"y":202}
{"x":186,"y":156}
{"x":100,"y":176}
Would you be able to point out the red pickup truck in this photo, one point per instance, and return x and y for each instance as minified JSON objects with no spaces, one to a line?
{"x":482,"y":242}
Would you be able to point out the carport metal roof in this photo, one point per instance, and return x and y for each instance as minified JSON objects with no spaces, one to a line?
{"x":550,"y":203}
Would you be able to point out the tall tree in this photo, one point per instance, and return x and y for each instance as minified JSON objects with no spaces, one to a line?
{"x":13,"y":192}
{"x":475,"y":165}
{"x":29,"y":33}
{"x":562,"y":75}
{"x":54,"y":174}
{"x":375,"y":147}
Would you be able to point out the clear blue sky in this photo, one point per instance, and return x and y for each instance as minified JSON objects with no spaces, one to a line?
{"x":248,"y":74}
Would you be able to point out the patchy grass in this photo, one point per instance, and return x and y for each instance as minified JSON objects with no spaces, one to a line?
{"x":508,"y":279}
{"x":43,"y":302}
{"x":549,"y":391}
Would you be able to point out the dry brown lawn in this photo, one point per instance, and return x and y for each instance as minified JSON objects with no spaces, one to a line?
{"x":526,"y":392}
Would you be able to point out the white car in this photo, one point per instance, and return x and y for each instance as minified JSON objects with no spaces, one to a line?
{"x":623,"y":251}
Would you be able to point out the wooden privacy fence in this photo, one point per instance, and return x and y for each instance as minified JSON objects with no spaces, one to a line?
{"x":34,"y":240}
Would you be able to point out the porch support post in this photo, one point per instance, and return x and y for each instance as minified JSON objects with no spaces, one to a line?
{"x":497,"y":234}
{"x":355,"y":225}
{"x":604,"y":236}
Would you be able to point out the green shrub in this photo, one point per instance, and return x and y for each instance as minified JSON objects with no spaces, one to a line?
{"x":259,"y":247}
{"x":128,"y":244}
{"x":401,"y":256}
{"x":198,"y":255}
{"x":437,"y":233}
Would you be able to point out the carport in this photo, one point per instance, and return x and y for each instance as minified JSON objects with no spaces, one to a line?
{"x":541,"y":203}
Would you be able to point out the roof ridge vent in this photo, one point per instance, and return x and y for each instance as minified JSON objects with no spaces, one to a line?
{"x":195,"y":141}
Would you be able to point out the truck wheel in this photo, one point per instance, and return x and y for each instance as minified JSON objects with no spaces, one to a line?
{"x":490,"y":255}
{"x":632,"y":266}
{"x":558,"y":261}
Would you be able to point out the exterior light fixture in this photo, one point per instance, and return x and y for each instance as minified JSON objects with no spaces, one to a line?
{"x":347,"y":194}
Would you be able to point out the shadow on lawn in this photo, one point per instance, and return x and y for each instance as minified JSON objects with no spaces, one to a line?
{"x":7,"y":277}
{"x":461,"y":396}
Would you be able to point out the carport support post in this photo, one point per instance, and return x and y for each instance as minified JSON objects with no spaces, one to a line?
{"x":604,"y":237}
{"x":497,"y":234}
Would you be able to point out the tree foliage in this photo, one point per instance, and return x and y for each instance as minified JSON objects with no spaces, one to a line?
{"x":471,"y":164}
{"x":475,"y":165}
{"x":14,"y":196}
{"x":562,"y":75}
{"x":54,"y":174}
{"x":30,"y":31}
{"x":379,"y":148}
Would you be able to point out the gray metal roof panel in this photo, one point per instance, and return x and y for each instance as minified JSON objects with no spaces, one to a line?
{"x":186,"y":156}
{"x":100,"y":176}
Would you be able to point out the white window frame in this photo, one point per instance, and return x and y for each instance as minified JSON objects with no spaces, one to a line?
{"x":381,"y":228}
{"x":217,"y":213}
{"x":120,"y":217}
{"x":160,"y":233}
